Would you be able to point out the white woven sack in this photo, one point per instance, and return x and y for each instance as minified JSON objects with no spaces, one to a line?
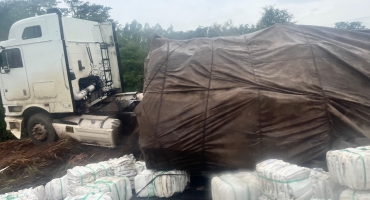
{"x":143,"y":187}
{"x":39,"y":192}
{"x":240,"y":186}
{"x":96,"y":196}
{"x":354,"y":195}
{"x":124,"y":163}
{"x":160,"y":183}
{"x":101,"y":169}
{"x":26,"y":194}
{"x":350,"y":167}
{"x":140,"y":166}
{"x":323,"y":187}
{"x":78,"y":176}
{"x":280,"y":180}
{"x":56,"y":189}
{"x":119,"y":187}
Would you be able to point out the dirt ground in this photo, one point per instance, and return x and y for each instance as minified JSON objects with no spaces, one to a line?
{"x":30,"y":165}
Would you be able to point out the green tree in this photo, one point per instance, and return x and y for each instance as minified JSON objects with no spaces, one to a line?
{"x":132,"y":59}
{"x":15,"y":10}
{"x":350,"y":25}
{"x":86,"y":10}
{"x":272,"y":15}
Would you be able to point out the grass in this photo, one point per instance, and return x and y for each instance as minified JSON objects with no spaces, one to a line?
{"x":29,"y":163}
{"x":31,"y":166}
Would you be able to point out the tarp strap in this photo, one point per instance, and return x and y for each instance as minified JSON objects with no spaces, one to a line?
{"x":107,"y":182}
{"x":161,"y":174}
{"x":259,"y":96}
{"x":92,"y":171}
{"x":61,"y":187}
{"x":160,"y":105}
{"x":153,"y":185}
{"x":206,"y":108}
{"x":230,"y":185}
{"x":153,"y":182}
{"x":363,"y":164}
{"x":353,"y":194}
{"x":319,"y":79}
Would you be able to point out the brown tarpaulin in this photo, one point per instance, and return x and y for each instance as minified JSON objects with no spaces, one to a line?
{"x":225,"y":103}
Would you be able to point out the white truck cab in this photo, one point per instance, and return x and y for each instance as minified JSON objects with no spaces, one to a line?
{"x":60,"y":68}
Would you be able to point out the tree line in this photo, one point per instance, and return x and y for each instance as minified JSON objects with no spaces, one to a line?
{"x":135,"y":38}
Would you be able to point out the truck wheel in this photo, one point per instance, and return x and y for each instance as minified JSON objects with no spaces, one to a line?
{"x":40,"y":129}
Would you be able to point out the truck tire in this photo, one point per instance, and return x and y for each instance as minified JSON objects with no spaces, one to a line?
{"x":40,"y":129}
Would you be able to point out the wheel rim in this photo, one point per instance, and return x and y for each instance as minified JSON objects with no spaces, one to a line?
{"x":39,"y":132}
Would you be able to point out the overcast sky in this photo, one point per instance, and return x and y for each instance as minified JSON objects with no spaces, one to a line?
{"x":189,"y":14}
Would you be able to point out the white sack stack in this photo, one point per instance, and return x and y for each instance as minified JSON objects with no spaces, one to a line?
{"x":101,"y":169}
{"x":56,"y":189}
{"x":119,"y":187}
{"x":124,"y":167}
{"x":350,"y":167}
{"x":161,"y":183}
{"x":80,"y":176}
{"x":241,"y":186}
{"x":281,"y":180}
{"x":37,"y":193}
{"x":323,"y":187}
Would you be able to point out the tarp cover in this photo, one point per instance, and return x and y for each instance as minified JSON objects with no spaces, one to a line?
{"x":285,"y":92}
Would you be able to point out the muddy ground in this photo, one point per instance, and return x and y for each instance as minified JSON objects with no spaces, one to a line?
{"x":30,"y":165}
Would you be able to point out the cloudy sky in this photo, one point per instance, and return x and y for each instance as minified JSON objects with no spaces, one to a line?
{"x":189,"y":14}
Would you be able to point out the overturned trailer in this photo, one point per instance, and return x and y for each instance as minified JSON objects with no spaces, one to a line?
{"x":285,"y":92}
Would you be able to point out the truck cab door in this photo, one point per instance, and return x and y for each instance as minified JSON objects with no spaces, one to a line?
{"x":13,"y":74}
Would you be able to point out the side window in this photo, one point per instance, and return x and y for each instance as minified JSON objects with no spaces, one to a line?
{"x":32,"y":32}
{"x":1,"y":59}
{"x":14,"y":58}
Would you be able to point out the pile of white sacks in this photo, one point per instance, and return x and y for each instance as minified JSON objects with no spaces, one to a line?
{"x":235,"y":186}
{"x":109,"y":180}
{"x":348,"y":179}
{"x":26,"y":194}
{"x":281,"y":180}
{"x":351,"y":168}
{"x":276,"y":179}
